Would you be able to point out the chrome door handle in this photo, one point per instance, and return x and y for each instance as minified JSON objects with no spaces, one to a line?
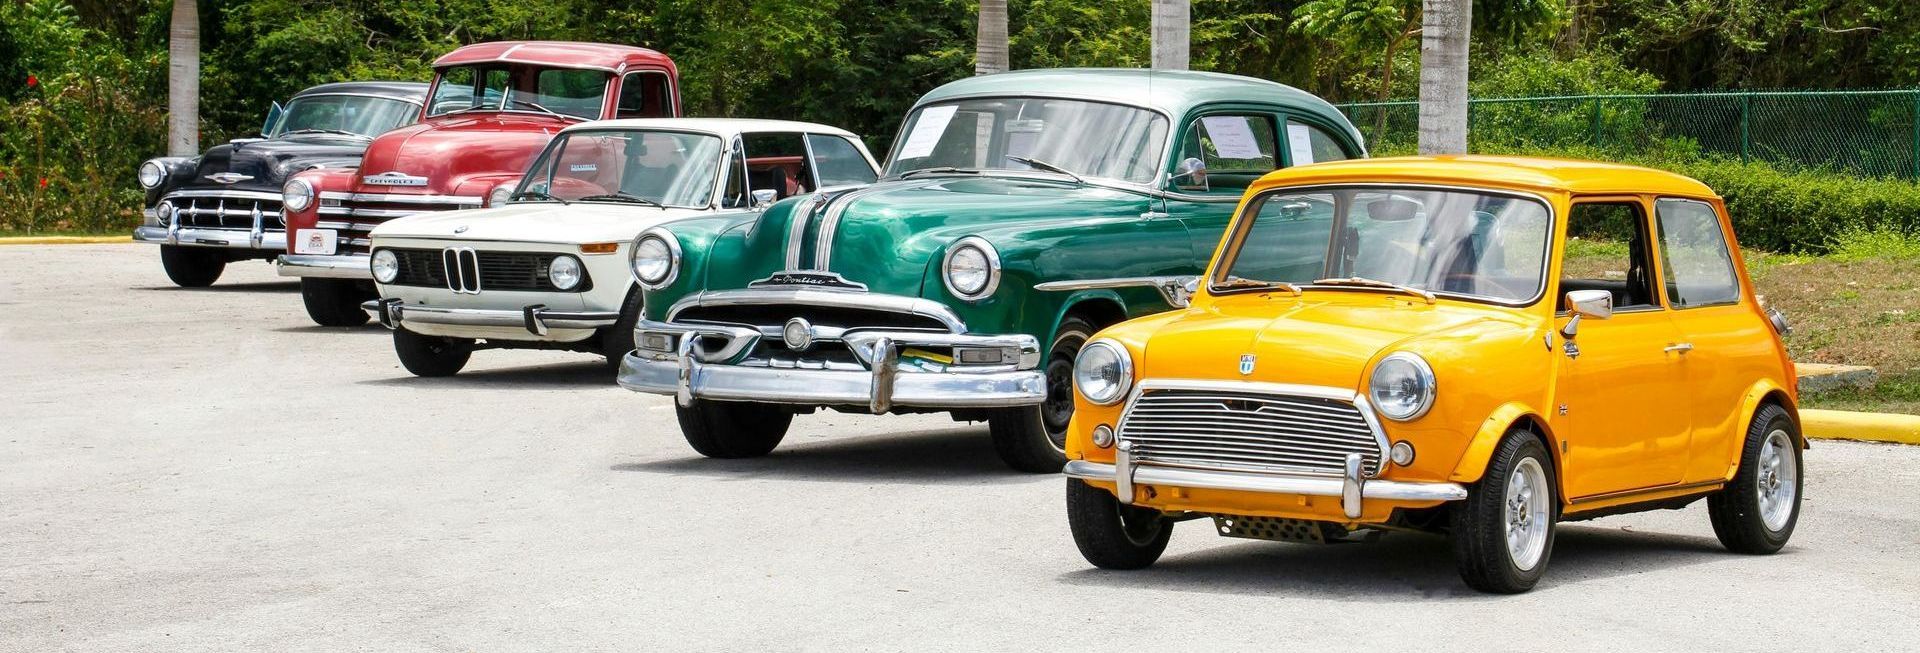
{"x":1683,"y":347}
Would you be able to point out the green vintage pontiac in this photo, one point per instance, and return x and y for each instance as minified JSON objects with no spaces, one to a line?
{"x":1021,"y":213}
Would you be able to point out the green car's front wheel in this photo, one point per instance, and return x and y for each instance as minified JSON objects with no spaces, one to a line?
{"x":733,"y":429}
{"x":1034,"y":438}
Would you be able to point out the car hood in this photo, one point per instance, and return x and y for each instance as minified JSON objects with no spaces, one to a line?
{"x":536,"y":222}
{"x":268,"y":162}
{"x":449,"y":150}
{"x":1324,"y":338}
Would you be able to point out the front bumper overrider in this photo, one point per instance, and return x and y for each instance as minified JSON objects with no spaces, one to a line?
{"x":1351,"y":486}
{"x":690,"y":370}
{"x":536,"y":319}
{"x":338,"y":266}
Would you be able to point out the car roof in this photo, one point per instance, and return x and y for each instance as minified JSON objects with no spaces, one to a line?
{"x":560,"y":54}
{"x":723,"y":127}
{"x":1517,"y":172}
{"x":415,"y":92}
{"x":1172,"y":91}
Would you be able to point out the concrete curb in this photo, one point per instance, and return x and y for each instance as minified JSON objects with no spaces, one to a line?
{"x":64,"y":240}
{"x":1868,"y":427}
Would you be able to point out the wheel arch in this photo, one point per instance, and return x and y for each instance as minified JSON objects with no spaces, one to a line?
{"x":1101,"y":308}
{"x":1765,"y":392}
{"x":1473,"y":463}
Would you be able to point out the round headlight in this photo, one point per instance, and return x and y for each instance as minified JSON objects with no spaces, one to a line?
{"x":297,"y":195}
{"x":499,"y":195}
{"x":151,"y":174}
{"x":1402,"y":386}
{"x":655,"y":258}
{"x":564,"y":272}
{"x":386,"y":266}
{"x":163,"y":212}
{"x":1103,"y":373}
{"x":972,"y":268}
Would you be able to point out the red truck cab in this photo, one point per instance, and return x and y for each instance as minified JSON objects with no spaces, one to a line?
{"x":492,"y":107}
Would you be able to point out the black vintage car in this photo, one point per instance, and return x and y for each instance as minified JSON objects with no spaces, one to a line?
{"x":224,"y":205}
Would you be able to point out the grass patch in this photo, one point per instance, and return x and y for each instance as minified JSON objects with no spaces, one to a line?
{"x":15,"y":233}
{"x":1893,"y":394}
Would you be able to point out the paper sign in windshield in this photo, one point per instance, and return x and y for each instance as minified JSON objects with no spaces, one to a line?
{"x":926,"y":132}
{"x":1232,"y":137}
{"x":1300,"y":142}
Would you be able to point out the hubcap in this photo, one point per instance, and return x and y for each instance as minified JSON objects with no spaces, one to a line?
{"x":1776,"y":483}
{"x":1527,"y":514}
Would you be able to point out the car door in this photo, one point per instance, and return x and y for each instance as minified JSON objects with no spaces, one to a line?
{"x":1621,"y":389}
{"x":1237,"y":146}
{"x":1724,"y":344}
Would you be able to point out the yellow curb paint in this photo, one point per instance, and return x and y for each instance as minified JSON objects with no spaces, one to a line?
{"x":1870,"y":427}
{"x":65,"y":240}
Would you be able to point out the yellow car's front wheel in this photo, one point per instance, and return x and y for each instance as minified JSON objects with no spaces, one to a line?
{"x":1112,"y":535}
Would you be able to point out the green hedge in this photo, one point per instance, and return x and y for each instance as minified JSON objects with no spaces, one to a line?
{"x":1805,"y":211}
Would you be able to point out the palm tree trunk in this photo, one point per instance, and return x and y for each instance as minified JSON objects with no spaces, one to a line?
{"x":183,"y":80}
{"x":1443,"y":76}
{"x":1172,"y":33}
{"x":990,"y":46}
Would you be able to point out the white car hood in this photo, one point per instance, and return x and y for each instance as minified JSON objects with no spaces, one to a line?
{"x":541,"y":222}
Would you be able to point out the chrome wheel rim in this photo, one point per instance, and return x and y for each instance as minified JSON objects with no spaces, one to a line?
{"x":1527,"y":514}
{"x":1777,"y":483}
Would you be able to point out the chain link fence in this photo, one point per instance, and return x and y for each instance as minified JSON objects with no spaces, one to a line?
{"x":1863,"y":133}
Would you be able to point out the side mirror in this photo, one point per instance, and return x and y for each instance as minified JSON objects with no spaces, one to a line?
{"x":764,"y":198}
{"x":273,"y":117}
{"x":1592,"y":304}
{"x":1192,"y":175}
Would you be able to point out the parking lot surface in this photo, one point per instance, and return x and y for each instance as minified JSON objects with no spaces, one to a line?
{"x":206,"y":470}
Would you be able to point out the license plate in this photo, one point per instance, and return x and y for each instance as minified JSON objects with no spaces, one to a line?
{"x":316,"y":241}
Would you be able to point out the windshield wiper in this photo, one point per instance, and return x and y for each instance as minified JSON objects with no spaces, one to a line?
{"x":1243,"y":283}
{"x":538,"y":195}
{"x":622,"y":197}
{"x":1036,"y":163}
{"x":537,"y":107}
{"x":936,"y":170}
{"x":341,"y":132}
{"x":1364,"y":282}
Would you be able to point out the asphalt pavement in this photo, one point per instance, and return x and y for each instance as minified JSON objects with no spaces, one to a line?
{"x":206,"y":470}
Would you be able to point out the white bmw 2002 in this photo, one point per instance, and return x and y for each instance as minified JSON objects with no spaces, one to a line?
{"x":548,"y":269}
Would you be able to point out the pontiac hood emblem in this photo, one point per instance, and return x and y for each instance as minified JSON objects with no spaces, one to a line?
{"x":1246,"y":364}
{"x":810,"y":278}
{"x":394,"y":178}
{"x":228,"y":177}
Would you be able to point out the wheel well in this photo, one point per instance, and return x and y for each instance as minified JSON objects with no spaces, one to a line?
{"x":1779,"y":398}
{"x":1101,"y":313}
{"x":1532,"y":424}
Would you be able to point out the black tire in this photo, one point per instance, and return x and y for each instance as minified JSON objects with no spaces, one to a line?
{"x":617,"y":340}
{"x":192,"y":267}
{"x":730,"y":429}
{"x":333,"y":302}
{"x":1111,"y":535}
{"x":1737,"y":513}
{"x":1034,"y":438}
{"x":431,"y":355}
{"x":1479,"y":524}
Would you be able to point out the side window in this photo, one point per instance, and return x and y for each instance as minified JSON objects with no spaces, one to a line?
{"x":1236,"y":148}
{"x":645,"y":95}
{"x":1693,"y":251}
{"x":839,"y":162}
{"x":779,"y":162}
{"x":1309,"y":144}
{"x":1607,"y":249}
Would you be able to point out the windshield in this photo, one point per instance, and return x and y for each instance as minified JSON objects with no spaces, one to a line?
{"x":358,"y":114}
{"x":632,"y":166}
{"x":498,"y":87}
{"x":1089,"y":139}
{"x":1474,"y":244}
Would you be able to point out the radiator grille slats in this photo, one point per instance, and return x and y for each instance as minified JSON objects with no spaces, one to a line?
{"x":1249,"y":430}
{"x":477,"y":272}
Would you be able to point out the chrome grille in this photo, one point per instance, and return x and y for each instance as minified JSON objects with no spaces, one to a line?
{"x":208,"y":212}
{"x":1249,"y":429}
{"x":466,"y":271}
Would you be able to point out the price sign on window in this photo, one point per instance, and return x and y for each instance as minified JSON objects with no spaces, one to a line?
{"x":926,"y":133}
{"x":1232,"y":137}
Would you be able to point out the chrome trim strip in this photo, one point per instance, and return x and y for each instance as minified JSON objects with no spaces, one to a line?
{"x":397,"y":313}
{"x":357,"y":212}
{"x":400,"y":198}
{"x":1173,"y":288}
{"x":830,"y":223}
{"x":1322,"y":486}
{"x":226,"y":194}
{"x":829,"y":298}
{"x":344,"y":226}
{"x":797,"y":227}
{"x":347,"y":266}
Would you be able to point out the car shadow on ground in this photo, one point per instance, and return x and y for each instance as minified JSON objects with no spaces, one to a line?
{"x":1401,"y":566}
{"x":585,"y":373}
{"x":961,"y":455}
{"x":251,"y":287}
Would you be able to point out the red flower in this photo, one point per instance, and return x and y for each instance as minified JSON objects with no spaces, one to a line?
{"x":43,"y":183}
{"x":32,"y":81}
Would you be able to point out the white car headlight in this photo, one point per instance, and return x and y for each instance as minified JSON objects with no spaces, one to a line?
{"x":297,"y":195}
{"x":1103,"y":372}
{"x":151,"y":174}
{"x":971,"y":269}
{"x":499,"y":196}
{"x":386,"y":266}
{"x":655,"y":258}
{"x":564,"y":272}
{"x":1401,"y":386}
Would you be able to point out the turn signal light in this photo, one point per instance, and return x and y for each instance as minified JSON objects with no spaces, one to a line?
{"x":599,"y":248}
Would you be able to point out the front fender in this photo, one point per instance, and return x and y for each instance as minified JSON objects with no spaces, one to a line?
{"x":1473,"y":462}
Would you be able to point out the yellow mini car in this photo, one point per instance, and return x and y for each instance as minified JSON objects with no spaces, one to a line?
{"x":1477,"y":346}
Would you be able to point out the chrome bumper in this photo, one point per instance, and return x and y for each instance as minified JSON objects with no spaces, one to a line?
{"x":1352,"y":488}
{"x":340,"y":266}
{"x":690,"y":372}
{"x":536,"y":319}
{"x":266,"y":239}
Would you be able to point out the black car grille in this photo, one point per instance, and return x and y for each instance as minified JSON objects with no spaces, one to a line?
{"x":516,"y":271}
{"x":227,"y":212}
